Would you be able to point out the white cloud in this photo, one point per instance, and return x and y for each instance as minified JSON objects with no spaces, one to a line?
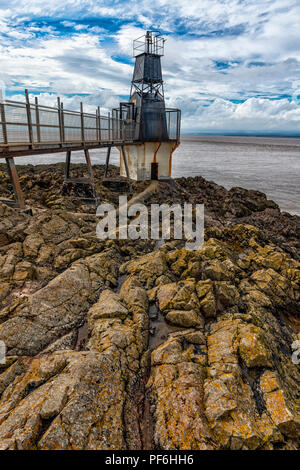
{"x":258,"y":40}
{"x":254,"y":114}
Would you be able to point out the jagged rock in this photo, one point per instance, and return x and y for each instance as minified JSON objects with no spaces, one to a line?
{"x":227,"y":294}
{"x":49,"y":313}
{"x":89,"y":367}
{"x":178,"y":296}
{"x":68,"y":400}
{"x":32,"y":244}
{"x":108,"y":306}
{"x":277,"y":407}
{"x":184,"y":318}
{"x":253,"y":348}
{"x":23,"y":271}
{"x":176,"y":378}
{"x":207,"y":301}
{"x":220,"y":270}
{"x":66,"y":342}
{"x":147,"y":268}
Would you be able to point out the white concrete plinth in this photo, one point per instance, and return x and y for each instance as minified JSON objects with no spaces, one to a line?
{"x":139,"y":159}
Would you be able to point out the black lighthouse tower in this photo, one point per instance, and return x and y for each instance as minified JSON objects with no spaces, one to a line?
{"x":153,"y":129}
{"x":147,"y":92}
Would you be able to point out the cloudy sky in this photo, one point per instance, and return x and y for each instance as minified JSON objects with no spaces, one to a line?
{"x":230,"y":65}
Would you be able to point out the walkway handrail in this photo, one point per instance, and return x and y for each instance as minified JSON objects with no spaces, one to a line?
{"x":34,"y":125}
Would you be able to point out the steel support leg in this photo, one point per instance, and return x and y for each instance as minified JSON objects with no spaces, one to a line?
{"x":126,"y":167}
{"x":68,"y":162}
{"x":107,"y":161}
{"x":90,"y":170}
{"x":15,"y":182}
{"x":125,"y":163}
{"x":73,"y":181}
{"x":89,"y":164}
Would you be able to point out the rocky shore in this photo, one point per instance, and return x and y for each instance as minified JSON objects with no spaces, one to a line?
{"x":127,"y":345}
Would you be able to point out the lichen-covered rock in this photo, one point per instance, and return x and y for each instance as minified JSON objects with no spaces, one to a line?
{"x":117,"y":345}
{"x":51,"y":312}
{"x":185,"y":318}
{"x":253,"y":349}
{"x":178,"y":296}
{"x":147,"y":268}
{"x":177,"y":377}
{"x":67,"y":400}
{"x":108,"y":306}
{"x":207,"y":301}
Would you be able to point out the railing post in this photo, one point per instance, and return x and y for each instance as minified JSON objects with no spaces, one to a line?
{"x":62,"y":121}
{"x":178,"y":125}
{"x":97,"y":127}
{"x":3,"y":121}
{"x":122,"y":129}
{"x":99,"y":122}
{"x":29,"y":119}
{"x":59,"y":121}
{"x":37,"y":119}
{"x":82,"y":123}
{"x":108,"y":126}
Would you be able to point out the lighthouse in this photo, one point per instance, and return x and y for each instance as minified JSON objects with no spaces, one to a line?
{"x":153,"y":128}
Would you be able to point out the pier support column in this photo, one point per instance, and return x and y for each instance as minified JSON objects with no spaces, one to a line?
{"x":125,"y":163}
{"x":107,"y":161}
{"x":14,"y":178}
{"x":75,"y":183}
{"x":68,"y":163}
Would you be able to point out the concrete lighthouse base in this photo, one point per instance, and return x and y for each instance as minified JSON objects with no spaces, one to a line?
{"x":139,"y":158}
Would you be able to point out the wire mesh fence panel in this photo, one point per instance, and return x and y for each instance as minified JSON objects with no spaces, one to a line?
{"x":15,"y":114}
{"x":48,"y":117}
{"x":71,"y":119}
{"x":72,"y":134}
{"x":17,"y":133}
{"x":33,"y":114}
{"x":72,"y":126}
{"x":104,"y":126}
{"x":90,"y":121}
{"x":116,"y":129}
{"x":90,"y":135}
{"x":49,"y":134}
{"x":35,"y":133}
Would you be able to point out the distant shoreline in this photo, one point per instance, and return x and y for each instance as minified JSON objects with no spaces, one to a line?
{"x":278,"y":141}
{"x":236,"y":134}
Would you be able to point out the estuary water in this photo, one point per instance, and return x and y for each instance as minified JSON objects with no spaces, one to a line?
{"x":267,"y":164}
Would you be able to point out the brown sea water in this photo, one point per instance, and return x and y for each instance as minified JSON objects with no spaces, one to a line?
{"x":267,"y":164}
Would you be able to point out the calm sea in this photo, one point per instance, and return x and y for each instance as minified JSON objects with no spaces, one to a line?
{"x":268,"y":164}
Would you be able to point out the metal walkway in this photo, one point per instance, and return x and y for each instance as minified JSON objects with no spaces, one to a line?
{"x":28,"y":129}
{"x":34,"y":129}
